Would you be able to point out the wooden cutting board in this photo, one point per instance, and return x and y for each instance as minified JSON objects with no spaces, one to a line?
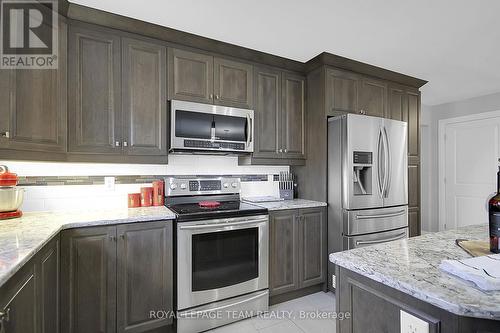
{"x":475,"y":248}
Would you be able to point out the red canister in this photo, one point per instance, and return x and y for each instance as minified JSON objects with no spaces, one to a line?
{"x":146,"y":196}
{"x":134,"y":200}
{"x":158,"y":193}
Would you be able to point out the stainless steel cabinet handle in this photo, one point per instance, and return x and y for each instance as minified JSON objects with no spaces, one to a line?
{"x":125,"y":144}
{"x":5,"y":134}
{"x":117,"y":144}
{"x":4,"y":318}
{"x":381,"y":216}
{"x":399,"y":236}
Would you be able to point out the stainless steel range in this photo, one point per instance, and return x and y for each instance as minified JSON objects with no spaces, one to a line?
{"x":222,"y":252}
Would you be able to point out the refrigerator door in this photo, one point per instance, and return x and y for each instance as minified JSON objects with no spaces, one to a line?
{"x":395,"y":184}
{"x":374,"y":239}
{"x":368,"y":221}
{"x":361,"y":153}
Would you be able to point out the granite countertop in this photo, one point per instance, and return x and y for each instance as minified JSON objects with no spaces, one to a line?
{"x":290,"y":204}
{"x":411,"y":266}
{"x":22,"y":238}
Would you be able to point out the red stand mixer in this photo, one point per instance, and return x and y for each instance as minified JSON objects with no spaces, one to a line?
{"x":11,"y":196}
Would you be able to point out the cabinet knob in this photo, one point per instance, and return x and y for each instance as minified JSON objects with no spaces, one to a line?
{"x":286,"y":150}
{"x":117,"y":143}
{"x":125,"y":144}
{"x":122,"y":236}
{"x":216,"y":96}
{"x":281,"y":150}
{"x":4,"y":318}
{"x":211,"y":96}
{"x":5,"y":134}
{"x":112,"y":238}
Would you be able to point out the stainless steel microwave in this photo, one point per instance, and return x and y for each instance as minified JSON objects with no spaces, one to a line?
{"x":210,"y":128}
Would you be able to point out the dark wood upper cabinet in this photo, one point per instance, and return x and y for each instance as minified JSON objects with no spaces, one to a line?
{"x":397,"y":102}
{"x":94,"y":99}
{"x":33,"y":110}
{"x":341,"y":93}
{"x":191,"y":76}
{"x":312,"y":238}
{"x":233,"y":83}
{"x":144,"y":73}
{"x":413,"y":119}
{"x":372,"y":97}
{"x":293,"y":117}
{"x":29,"y":301}
{"x":88,"y":280}
{"x":144,"y":275}
{"x":268,"y":138}
{"x":283,"y":252}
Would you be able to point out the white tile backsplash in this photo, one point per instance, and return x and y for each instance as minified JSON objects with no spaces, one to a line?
{"x":68,"y":197}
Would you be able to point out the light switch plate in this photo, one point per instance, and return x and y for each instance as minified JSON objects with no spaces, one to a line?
{"x":412,"y":324}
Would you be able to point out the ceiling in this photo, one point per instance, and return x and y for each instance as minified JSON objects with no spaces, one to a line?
{"x":454,"y":44}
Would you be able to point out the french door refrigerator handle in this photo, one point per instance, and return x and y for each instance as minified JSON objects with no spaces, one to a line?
{"x":379,"y":166}
{"x":387,"y":161}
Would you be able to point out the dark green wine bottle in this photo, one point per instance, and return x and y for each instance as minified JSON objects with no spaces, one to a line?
{"x":494,"y":212}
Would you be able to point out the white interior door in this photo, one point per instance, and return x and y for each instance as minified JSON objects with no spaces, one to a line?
{"x":471,"y":152}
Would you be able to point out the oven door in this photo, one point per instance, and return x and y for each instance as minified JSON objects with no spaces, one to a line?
{"x":218,"y":259}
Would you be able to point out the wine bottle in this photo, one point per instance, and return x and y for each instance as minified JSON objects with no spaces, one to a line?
{"x":494,"y":212}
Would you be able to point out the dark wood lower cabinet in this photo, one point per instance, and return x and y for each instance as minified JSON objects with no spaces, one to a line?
{"x":144,"y":275}
{"x":297,"y":252}
{"x":29,"y":301}
{"x":113,"y":276}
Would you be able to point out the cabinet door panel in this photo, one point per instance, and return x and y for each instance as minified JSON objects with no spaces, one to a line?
{"x":33,"y":107}
{"x":144,"y":275}
{"x":48,"y":282}
{"x":88,"y":280}
{"x":233,"y":83}
{"x":267,"y":113}
{"x":413,"y":124}
{"x":414,"y":222}
{"x":293,"y":114}
{"x":312,"y":236}
{"x":372,"y":97}
{"x":21,"y":305}
{"x":341,"y":92}
{"x":192,"y":76}
{"x":94,"y":91}
{"x":144,"y":97}
{"x":283,"y":272}
{"x":398,"y":103}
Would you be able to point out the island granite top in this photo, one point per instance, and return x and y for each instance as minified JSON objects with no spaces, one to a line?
{"x":22,"y":238}
{"x":411,"y":266}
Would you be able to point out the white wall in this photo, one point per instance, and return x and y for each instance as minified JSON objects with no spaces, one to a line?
{"x":429,"y":150}
{"x":41,"y":198}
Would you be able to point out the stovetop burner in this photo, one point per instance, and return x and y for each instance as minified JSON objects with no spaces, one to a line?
{"x":234,"y":208}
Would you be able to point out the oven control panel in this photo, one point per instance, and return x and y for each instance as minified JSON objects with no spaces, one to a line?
{"x":185,"y":185}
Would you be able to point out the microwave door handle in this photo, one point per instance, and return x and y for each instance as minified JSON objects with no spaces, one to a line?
{"x":249,"y":130}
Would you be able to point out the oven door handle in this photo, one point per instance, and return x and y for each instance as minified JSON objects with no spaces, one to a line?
{"x":220,"y":225}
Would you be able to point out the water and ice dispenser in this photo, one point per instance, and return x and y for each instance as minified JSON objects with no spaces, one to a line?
{"x":362,"y":172}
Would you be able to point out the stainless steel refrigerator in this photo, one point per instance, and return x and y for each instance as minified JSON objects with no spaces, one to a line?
{"x":367,"y":182}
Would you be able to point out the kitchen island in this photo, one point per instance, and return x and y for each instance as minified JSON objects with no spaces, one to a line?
{"x":376,"y":283}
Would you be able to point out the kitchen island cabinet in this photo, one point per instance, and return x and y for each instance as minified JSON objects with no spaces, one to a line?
{"x":376,"y":284}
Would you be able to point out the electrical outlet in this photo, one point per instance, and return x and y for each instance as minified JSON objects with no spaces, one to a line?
{"x":412,"y":324}
{"x":109,"y":183}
